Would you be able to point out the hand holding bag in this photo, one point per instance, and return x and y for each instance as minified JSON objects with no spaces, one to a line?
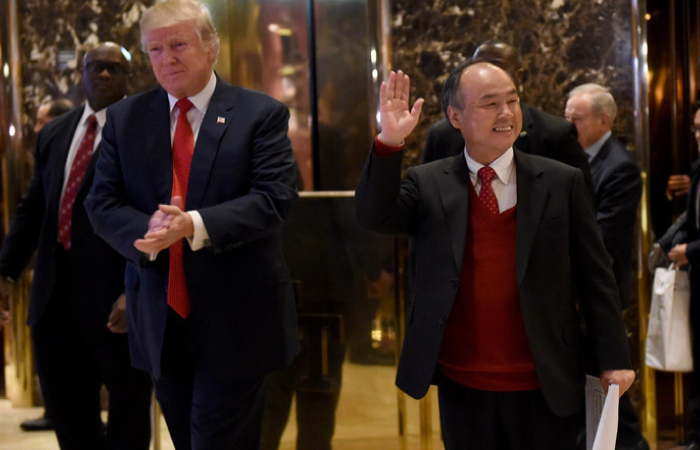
{"x":668,"y":344}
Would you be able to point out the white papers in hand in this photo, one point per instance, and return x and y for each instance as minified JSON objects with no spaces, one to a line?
{"x":601,"y":415}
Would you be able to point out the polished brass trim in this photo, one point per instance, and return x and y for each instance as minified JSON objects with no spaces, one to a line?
{"x":326,"y":194}
{"x":19,"y":365}
{"x":157,"y":413}
{"x":644,"y":237}
{"x":678,"y":406}
{"x":426,"y":422}
{"x":647,"y":375}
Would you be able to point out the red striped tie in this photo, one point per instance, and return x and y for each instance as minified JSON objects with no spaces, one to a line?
{"x":75,"y":180}
{"x":183,"y":148}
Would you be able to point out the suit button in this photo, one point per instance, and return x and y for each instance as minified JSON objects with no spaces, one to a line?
{"x":455,"y":282}
{"x":442,"y":321}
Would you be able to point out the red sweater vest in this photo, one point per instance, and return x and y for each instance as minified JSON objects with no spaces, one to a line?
{"x":485,"y":346}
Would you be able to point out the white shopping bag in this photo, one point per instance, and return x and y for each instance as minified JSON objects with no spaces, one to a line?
{"x":668,"y":345}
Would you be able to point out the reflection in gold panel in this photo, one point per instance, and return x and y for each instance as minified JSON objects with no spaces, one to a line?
{"x":19,"y":368}
{"x":264,"y":47}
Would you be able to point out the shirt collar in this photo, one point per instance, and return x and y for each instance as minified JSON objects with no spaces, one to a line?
{"x":594,"y":149}
{"x":200,"y":100}
{"x":503,"y":165}
{"x":100,"y":115}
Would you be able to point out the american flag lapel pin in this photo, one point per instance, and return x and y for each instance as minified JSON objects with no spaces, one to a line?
{"x":220,"y":119}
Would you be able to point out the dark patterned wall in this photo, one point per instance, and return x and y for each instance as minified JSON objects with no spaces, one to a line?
{"x":54,"y":35}
{"x":563,"y":44}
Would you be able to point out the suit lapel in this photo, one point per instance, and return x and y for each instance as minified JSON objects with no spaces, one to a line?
{"x":454,"y":196}
{"x":160,"y":156}
{"x":525,"y":138}
{"x":598,"y":163}
{"x":532,"y":196}
{"x":61,"y":149}
{"x":693,"y":197}
{"x":216,"y":120}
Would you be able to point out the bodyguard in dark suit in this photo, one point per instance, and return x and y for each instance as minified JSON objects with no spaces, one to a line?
{"x":617,"y":188}
{"x":501,"y":265}
{"x":542,"y":134}
{"x":209,"y":296}
{"x":77,"y":306}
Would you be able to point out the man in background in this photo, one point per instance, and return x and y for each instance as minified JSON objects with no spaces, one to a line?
{"x":542,"y":134}
{"x":617,"y":187}
{"x":194,"y":181}
{"x":47,"y":110}
{"x":77,"y":305}
{"x":50,"y":109}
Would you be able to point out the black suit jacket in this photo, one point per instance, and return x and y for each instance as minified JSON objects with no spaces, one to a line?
{"x":96,"y":270}
{"x":542,"y":134}
{"x":242,"y":182}
{"x":617,"y":187}
{"x":560,"y":257}
{"x":692,"y":252}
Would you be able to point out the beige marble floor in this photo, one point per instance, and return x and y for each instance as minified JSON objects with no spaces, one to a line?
{"x":366,"y":418}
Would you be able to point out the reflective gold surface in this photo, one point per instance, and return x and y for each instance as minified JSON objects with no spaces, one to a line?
{"x":19,"y":368}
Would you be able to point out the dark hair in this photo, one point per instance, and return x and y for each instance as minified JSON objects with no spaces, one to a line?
{"x":59,"y":106}
{"x":451,"y":94}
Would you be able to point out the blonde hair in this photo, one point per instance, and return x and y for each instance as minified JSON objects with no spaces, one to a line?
{"x":166,"y":13}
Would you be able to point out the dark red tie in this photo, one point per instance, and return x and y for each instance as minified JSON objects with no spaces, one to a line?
{"x":486,"y":194}
{"x":183,"y":148}
{"x":75,"y":180}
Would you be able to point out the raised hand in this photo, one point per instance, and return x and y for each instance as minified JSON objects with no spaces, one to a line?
{"x":397,"y":121}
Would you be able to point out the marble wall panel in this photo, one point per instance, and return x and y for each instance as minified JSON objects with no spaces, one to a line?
{"x":563,"y":43}
{"x":54,"y":35}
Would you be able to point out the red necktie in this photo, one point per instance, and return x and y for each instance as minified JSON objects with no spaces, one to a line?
{"x":486,"y":194}
{"x":183,"y":148}
{"x":75,"y":180}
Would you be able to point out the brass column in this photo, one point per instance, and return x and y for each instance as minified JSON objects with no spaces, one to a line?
{"x":19,"y":368}
{"x":644,"y":241}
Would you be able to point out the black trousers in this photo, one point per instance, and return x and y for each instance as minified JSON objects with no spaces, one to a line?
{"x":203,"y":409}
{"x":482,"y":420}
{"x":73,"y":361}
{"x":315,"y":408}
{"x":694,"y":397}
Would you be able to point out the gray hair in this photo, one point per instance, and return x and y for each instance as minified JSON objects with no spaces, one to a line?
{"x":166,"y":13}
{"x":602,"y":101}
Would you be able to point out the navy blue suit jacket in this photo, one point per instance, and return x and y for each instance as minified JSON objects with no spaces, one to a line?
{"x":617,"y":187}
{"x":242,"y":182}
{"x":95,"y":268}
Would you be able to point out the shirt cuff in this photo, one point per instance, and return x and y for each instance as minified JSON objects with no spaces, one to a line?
{"x":200,"y":239}
{"x":382,"y":149}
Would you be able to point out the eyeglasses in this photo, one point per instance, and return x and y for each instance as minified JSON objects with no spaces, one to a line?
{"x":97,"y":67}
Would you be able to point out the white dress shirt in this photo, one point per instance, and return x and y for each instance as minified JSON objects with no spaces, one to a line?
{"x":594,"y":149}
{"x":504,"y":183}
{"x":195,"y":116}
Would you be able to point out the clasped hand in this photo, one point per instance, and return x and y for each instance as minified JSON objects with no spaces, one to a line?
{"x":167,"y":225}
